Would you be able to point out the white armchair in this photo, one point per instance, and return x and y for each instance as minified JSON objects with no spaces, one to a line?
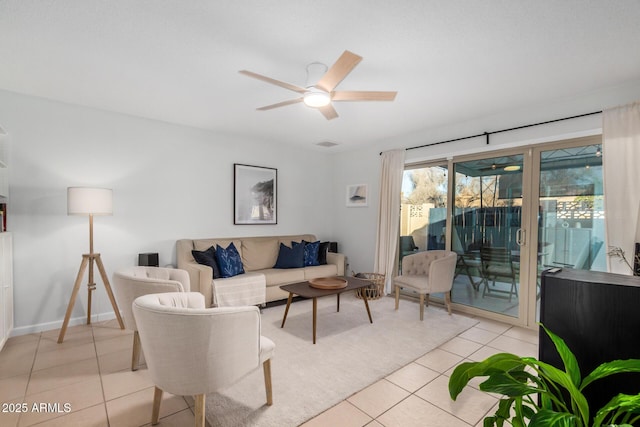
{"x":427,"y":272}
{"x":133,"y":282}
{"x":223,"y":345}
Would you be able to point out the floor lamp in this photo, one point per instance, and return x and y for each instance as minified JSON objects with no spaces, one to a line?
{"x":89,"y":201}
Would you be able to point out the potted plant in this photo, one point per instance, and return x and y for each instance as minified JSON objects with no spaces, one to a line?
{"x":538,"y":394}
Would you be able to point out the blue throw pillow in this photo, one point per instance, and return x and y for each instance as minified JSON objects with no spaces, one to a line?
{"x":229,"y":261}
{"x":311,"y":250}
{"x":208,"y":257}
{"x":290,"y":257}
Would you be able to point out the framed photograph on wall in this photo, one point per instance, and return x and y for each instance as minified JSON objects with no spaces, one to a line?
{"x":255,"y":195}
{"x":357,"y":196}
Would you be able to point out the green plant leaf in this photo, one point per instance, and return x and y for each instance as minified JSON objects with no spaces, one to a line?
{"x":491,"y":422}
{"x":464,"y":372}
{"x":504,"y":410}
{"x":611,"y":368}
{"x":548,"y":418}
{"x":503,"y":383}
{"x":561,"y":378}
{"x":528,"y":411}
{"x":568,"y":358}
{"x":623,"y":403}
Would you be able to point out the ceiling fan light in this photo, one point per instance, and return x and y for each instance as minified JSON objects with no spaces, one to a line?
{"x":316,"y":98}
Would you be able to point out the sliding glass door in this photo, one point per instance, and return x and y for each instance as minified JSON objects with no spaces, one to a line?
{"x":571,"y":209}
{"x":509,"y":215}
{"x":487,"y":233}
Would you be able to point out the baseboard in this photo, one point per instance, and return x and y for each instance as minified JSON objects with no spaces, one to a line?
{"x":74,"y":321}
{"x":4,"y":340}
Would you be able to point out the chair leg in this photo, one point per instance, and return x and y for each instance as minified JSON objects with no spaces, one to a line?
{"x":135,"y":356}
{"x":397,"y":296}
{"x":266,"y":367}
{"x":447,"y":300}
{"x":199,"y":409}
{"x":157,"y":399}
{"x":421,"y":306}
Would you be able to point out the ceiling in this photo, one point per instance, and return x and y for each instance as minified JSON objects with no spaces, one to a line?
{"x":450,"y":60}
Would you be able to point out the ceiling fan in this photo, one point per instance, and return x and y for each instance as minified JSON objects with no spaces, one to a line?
{"x":321,"y":94}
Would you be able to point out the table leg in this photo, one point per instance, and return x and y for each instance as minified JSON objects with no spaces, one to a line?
{"x":315,"y":310}
{"x":366,"y":304}
{"x":338,"y":301}
{"x":286,"y":310}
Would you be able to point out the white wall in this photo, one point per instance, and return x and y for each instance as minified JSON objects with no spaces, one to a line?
{"x":356,"y":228}
{"x":169,"y":182}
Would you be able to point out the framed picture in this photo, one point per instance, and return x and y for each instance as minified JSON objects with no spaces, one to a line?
{"x":255,"y":195}
{"x":357,"y":196}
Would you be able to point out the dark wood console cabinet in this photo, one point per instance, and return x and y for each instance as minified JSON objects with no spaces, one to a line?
{"x":598,"y":316}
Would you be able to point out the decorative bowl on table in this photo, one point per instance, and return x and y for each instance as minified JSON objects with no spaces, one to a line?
{"x":328,"y":283}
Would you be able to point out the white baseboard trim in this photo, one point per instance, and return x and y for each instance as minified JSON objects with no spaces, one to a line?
{"x":74,"y":321}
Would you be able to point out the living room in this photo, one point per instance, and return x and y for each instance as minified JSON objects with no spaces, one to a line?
{"x":173,"y":180}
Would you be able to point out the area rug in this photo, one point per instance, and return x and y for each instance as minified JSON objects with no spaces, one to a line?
{"x":350,"y":354}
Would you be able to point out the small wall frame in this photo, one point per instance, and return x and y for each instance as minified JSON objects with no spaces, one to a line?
{"x":357,"y":196}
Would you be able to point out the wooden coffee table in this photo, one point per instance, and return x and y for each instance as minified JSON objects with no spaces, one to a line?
{"x":303,"y":289}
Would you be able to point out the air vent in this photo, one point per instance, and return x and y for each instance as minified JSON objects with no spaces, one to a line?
{"x":327,"y":144}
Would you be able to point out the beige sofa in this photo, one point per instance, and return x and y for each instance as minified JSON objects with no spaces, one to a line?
{"x":259,"y":255}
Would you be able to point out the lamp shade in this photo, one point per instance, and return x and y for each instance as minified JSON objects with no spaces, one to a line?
{"x":89,"y":201}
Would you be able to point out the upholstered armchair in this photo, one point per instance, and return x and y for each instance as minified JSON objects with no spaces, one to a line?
{"x":426,"y":273}
{"x":133,"y":282}
{"x":223,"y":345}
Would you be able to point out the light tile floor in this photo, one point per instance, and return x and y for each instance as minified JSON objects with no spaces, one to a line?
{"x":91,"y":373}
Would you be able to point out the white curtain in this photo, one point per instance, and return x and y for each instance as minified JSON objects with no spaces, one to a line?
{"x":621,"y":170}
{"x":389,"y":214}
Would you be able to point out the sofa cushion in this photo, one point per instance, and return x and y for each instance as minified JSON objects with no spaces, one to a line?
{"x":322,"y":253}
{"x":318,"y":271}
{"x":258,"y":254}
{"x":278,"y":276}
{"x":290,"y":257}
{"x":207,"y":257}
{"x":229,"y":261}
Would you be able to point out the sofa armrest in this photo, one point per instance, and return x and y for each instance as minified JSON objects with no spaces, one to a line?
{"x":201,"y":277}
{"x":338,"y":260}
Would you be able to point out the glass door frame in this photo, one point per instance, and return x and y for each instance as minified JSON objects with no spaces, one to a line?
{"x":526,"y":153}
{"x":536,"y":151}
{"x":530,"y":202}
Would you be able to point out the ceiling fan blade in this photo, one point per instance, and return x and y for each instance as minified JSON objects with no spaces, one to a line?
{"x":273,"y":81}
{"x":355,"y":95}
{"x":338,"y":71}
{"x":328,"y":112}
{"x":280,"y":104}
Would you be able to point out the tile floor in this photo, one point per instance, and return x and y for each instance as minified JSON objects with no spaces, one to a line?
{"x":90,"y":372}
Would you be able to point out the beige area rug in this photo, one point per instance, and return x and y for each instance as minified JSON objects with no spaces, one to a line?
{"x":350,"y":354}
